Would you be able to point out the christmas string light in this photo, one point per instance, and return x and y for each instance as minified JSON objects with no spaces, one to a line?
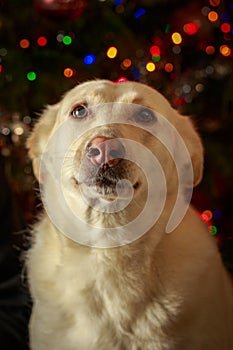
{"x":42,"y":41}
{"x":191,"y":28}
{"x":111,"y":52}
{"x":212,"y":16}
{"x":155,"y":53}
{"x":68,"y":72}
{"x":225,"y":17}
{"x":225,"y":50}
{"x":225,"y":27}
{"x":121,"y":80}
{"x":60,"y":37}
{"x":67,"y":40}
{"x":24,"y":43}
{"x":150,"y":67}
{"x":139,"y":13}
{"x":210,"y":50}
{"x":89,"y":59}
{"x":214,"y":3}
{"x":176,"y":38}
{"x":117,"y":2}
{"x":212,"y":229}
{"x":31,"y":76}
{"x":206,"y":216}
{"x":126,"y":63}
{"x":168,"y":67}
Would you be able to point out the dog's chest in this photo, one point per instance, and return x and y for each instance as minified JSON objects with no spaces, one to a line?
{"x":85,"y":291}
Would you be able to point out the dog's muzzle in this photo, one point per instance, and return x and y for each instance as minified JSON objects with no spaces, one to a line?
{"x":103,"y":164}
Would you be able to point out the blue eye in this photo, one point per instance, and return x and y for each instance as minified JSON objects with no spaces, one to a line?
{"x":80,"y":112}
{"x":145,"y":116}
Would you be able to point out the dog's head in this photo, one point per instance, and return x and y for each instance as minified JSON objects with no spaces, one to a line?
{"x":116,"y":145}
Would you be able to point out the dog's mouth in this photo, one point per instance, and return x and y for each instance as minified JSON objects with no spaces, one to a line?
{"x":107,"y":182}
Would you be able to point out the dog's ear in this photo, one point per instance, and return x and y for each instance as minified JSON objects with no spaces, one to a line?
{"x":193,"y":143}
{"x":39,"y":137}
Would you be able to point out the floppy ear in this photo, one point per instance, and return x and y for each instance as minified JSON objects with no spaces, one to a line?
{"x":39,"y":137}
{"x":194,"y":145}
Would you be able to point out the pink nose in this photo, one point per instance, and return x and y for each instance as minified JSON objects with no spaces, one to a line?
{"x":105,"y":151}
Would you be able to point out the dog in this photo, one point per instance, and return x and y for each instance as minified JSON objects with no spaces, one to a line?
{"x":119,"y":258}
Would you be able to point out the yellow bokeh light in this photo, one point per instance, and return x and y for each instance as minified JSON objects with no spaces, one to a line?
{"x":150,"y":66}
{"x":213,"y":16}
{"x":112,"y":52}
{"x":176,"y":38}
{"x":225,"y":50}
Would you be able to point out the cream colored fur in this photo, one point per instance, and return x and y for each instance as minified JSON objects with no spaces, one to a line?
{"x":162,"y":291}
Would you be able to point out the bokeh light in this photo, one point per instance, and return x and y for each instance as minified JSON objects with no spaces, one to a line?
{"x":18,"y":130}
{"x":155,"y":53}
{"x":24,"y":43}
{"x":150,"y":67}
{"x":67,"y":40}
{"x":139,"y":13}
{"x":217,"y":214}
{"x":212,"y":229}
{"x":199,"y":87}
{"x":89,"y":59}
{"x":31,"y":76}
{"x":168,"y":67}
{"x":176,"y":50}
{"x":205,"y":10}
{"x":60,"y":37}
{"x":155,"y":50}
{"x":191,"y":28}
{"x":68,"y":72}
{"x":225,"y":28}
{"x":126,"y":63}
{"x":210,"y":50}
{"x":225,"y":50}
{"x":112,"y":52}
{"x":214,"y":3}
{"x":212,"y":16}
{"x":206,"y":215}
{"x":225,"y":17}
{"x":121,"y":80}
{"x":42,"y":41}
{"x":176,"y":38}
{"x":117,"y":2}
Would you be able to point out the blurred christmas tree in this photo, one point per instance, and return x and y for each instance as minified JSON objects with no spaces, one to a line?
{"x":184,"y":49}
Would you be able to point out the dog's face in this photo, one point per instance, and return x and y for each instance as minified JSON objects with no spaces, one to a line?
{"x":119,"y":145}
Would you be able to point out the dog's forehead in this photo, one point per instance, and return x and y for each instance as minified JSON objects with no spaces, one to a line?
{"x":107,"y":91}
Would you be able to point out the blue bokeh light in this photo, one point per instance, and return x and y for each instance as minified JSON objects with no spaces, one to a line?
{"x":89,"y":59}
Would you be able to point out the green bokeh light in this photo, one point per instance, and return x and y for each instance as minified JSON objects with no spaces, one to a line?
{"x":67,"y":40}
{"x":31,"y":76}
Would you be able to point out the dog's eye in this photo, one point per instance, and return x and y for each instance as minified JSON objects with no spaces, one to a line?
{"x":145,"y":116}
{"x":80,"y":112}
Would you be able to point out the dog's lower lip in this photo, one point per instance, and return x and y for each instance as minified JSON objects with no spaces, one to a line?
{"x":99,"y":183}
